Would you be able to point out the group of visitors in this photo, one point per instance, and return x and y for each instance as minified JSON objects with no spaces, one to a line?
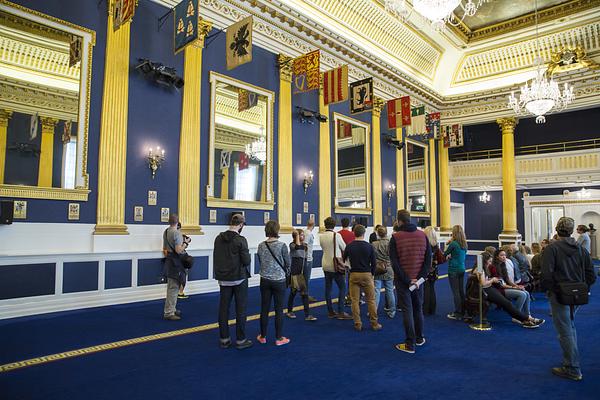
{"x":407,"y":261}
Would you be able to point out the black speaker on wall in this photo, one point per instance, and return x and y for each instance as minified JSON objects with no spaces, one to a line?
{"x":7,"y":208}
{"x":362,"y":220}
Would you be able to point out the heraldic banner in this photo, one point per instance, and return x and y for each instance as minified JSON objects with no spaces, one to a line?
{"x":238,"y":44}
{"x":123,"y":11}
{"x":186,"y":24}
{"x":361,"y":96}
{"x":453,"y":135}
{"x":306,"y":72}
{"x":335,"y":85}
{"x":398,"y":112}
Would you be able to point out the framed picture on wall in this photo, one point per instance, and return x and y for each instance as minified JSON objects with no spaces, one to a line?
{"x":152,"y":197}
{"x":266,"y":217}
{"x":212,"y":216}
{"x":20,"y":209}
{"x":73,"y":214}
{"x":164,"y":214}
{"x":138,"y":213}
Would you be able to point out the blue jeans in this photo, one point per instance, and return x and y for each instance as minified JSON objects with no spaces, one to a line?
{"x":340,"y":281}
{"x":567,"y":335}
{"x":521,"y":297}
{"x":389,"y":294}
{"x":457,"y":285}
{"x":307,"y":270}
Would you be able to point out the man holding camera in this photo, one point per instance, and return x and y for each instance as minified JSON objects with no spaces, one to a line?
{"x":173,"y":247}
{"x":566,"y":269}
{"x":231,"y":262}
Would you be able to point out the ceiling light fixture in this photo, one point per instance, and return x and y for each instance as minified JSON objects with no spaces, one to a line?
{"x":485,"y":197}
{"x":438,"y":12}
{"x":543,"y":95}
{"x":258,"y":150}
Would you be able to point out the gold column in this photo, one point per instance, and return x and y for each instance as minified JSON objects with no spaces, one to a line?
{"x":445,"y":223}
{"x":285,"y":174}
{"x":4,"y":117}
{"x":188,"y":204}
{"x":376,"y":123}
{"x":112,"y":159}
{"x":46,"y":151}
{"x":225,"y":184}
{"x":509,"y":175}
{"x":400,"y":194}
{"x":324,"y":164}
{"x":432,"y":183}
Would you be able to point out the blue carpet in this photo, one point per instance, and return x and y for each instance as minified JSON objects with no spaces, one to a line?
{"x":326,"y":359}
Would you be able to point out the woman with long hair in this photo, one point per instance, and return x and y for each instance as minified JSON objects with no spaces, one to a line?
{"x":429,"y":298}
{"x":385,"y":280}
{"x":511,"y":290}
{"x":456,"y":253}
{"x":298,"y":251}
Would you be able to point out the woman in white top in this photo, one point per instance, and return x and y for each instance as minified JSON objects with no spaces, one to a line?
{"x":333,"y":245}
{"x":584,"y":238}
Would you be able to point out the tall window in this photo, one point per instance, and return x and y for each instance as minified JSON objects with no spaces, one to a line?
{"x":245,"y":182}
{"x":69,"y":163}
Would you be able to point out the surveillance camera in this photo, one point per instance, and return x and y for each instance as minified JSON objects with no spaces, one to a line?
{"x":399,"y":145}
{"x":320,"y":117}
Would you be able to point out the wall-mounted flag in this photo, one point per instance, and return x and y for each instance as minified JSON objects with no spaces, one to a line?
{"x":335,"y":85}
{"x":123,"y":11}
{"x":186,"y":16}
{"x":361,"y":96}
{"x":225,"y":159}
{"x":453,"y":135}
{"x":246,"y":99}
{"x":75,"y":50}
{"x":243,"y":161}
{"x":417,"y":126}
{"x":433,"y":125}
{"x":33,"y":126}
{"x":398,"y":112}
{"x":238,"y":43}
{"x":344,"y":129}
{"x":66,"y":136}
{"x":306,"y":72}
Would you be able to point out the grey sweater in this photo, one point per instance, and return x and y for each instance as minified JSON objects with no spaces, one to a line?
{"x":269,"y":268}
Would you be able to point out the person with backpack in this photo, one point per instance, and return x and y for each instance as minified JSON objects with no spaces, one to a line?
{"x":274,"y":270}
{"x":567,"y":274}
{"x":298,"y":250}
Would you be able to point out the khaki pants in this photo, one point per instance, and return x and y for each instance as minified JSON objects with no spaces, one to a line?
{"x":364,"y":281}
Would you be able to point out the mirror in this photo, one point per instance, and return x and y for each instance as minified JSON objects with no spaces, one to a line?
{"x":45,"y":69}
{"x":352,"y":172}
{"x":417,"y":177}
{"x":240,"y":145}
{"x":543,"y":221}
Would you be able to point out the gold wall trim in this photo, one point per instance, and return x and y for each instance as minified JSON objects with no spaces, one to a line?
{"x":239,"y":204}
{"x":400,"y":181}
{"x":509,"y":175}
{"x":562,"y":202}
{"x":445,"y":222}
{"x":433,"y":184}
{"x":285,"y":171}
{"x":4,"y":118}
{"x":352,"y":210}
{"x":426,"y":151}
{"x":48,"y":193}
{"x":377,"y":184}
{"x":324,"y":163}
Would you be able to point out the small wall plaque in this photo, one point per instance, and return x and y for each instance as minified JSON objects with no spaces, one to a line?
{"x":266,"y":217}
{"x":152,"y":197}
{"x":305,"y":206}
{"x":138,"y":213}
{"x":212,"y":216}
{"x":20,"y":209}
{"x":298,"y":218}
{"x":164,"y":214}
{"x":73,"y":211}
{"x":312,"y":217}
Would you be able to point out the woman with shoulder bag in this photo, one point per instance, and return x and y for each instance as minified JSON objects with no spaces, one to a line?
{"x":384,"y":274}
{"x":333,"y":247}
{"x":274,"y":270}
{"x":298,"y":251}
{"x":429,"y":298}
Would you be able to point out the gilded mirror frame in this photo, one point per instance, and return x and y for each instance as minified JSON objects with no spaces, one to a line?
{"x":211,"y":200}
{"x":81,"y":191}
{"x":426,"y":177}
{"x":353,"y":210}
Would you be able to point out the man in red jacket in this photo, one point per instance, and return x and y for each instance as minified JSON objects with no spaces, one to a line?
{"x":410,"y":254}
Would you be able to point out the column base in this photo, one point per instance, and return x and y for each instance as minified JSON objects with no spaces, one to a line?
{"x":286,"y":229}
{"x":509,"y":238}
{"x":192,"y":230}
{"x":110,"y":230}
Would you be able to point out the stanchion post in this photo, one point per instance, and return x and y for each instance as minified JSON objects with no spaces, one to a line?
{"x":481,"y":326}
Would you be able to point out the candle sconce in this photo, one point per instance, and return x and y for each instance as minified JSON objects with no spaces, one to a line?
{"x":391,"y":192}
{"x":155,"y":159}
{"x":308,"y":181}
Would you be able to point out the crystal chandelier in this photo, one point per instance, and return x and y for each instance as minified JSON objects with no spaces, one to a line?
{"x":485,"y":197}
{"x":584,"y":194}
{"x":438,"y":12}
{"x":258,"y":150}
{"x":542,"y":95}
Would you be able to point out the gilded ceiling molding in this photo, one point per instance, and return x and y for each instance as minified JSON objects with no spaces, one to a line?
{"x":569,"y":59}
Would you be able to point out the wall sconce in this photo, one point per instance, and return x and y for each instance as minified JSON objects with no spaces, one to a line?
{"x":308,"y":181}
{"x":485,"y":197}
{"x":155,"y":159}
{"x":391,"y":192}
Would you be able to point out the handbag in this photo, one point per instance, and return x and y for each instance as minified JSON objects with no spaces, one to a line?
{"x":288,"y":275}
{"x":573,"y":293}
{"x":380,"y":267}
{"x":439,"y":256}
{"x":338,"y":262}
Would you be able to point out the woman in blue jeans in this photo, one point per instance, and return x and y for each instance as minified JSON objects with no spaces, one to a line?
{"x":275,"y":265}
{"x":386,"y":280}
{"x":510,"y":290}
{"x":456,"y":253}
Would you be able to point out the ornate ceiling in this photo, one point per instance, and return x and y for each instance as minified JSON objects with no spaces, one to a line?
{"x":459,"y":71}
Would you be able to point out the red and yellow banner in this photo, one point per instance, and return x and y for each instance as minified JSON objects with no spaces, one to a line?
{"x":306,"y":72}
{"x":335,"y":85}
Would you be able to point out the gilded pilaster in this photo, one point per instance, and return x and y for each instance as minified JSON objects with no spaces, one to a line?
{"x":285,"y":173}
{"x":4,"y":118}
{"x":509,"y":176}
{"x":188,"y":205}
{"x":400,"y":193}
{"x":110,"y":219}
{"x":432,"y":183}
{"x":324,"y":165}
{"x":445,"y":223}
{"x":46,"y":151}
{"x":225,"y":184}
{"x":377,"y":193}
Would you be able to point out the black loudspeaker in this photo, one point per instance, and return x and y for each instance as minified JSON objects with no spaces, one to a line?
{"x":7,"y":208}
{"x":363,"y":221}
{"x":424,"y":223}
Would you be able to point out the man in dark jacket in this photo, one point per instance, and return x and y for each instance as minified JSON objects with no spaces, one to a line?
{"x":231,"y":260}
{"x":410,"y":254}
{"x":565,"y":261}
